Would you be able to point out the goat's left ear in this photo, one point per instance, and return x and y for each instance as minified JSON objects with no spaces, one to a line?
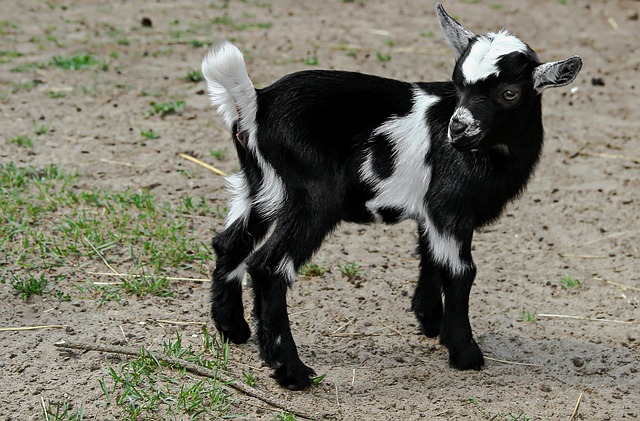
{"x":456,"y":35}
{"x":556,"y":73}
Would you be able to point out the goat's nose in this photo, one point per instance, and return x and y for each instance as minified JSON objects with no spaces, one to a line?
{"x":457,"y":127}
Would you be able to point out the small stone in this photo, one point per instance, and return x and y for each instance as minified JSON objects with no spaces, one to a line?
{"x":577,"y":361}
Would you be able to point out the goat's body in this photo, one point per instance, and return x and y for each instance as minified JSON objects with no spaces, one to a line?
{"x":381,"y":161}
{"x":320,"y":147}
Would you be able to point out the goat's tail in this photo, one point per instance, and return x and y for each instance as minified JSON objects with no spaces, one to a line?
{"x":229,"y":86}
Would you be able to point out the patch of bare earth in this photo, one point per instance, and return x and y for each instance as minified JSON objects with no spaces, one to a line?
{"x":578,"y":218}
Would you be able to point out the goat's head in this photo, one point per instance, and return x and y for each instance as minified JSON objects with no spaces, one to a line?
{"x":498,"y":79}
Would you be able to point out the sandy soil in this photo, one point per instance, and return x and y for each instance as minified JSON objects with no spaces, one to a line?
{"x":579,"y":216}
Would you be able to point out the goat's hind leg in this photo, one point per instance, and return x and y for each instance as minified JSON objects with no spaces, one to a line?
{"x":273,"y":268}
{"x":232,"y":246}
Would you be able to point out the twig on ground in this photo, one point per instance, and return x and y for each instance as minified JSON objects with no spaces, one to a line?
{"x":583,"y":256}
{"x":16,"y":329}
{"x":390,"y":327}
{"x":176,"y":322}
{"x":202,"y":164}
{"x":619,"y":285}
{"x":611,"y":156}
{"x":575,"y":408}
{"x":590,"y":319}
{"x":108,"y":161}
{"x":131,"y":275}
{"x":44,"y":409}
{"x":228,"y":381}
{"x":512,"y":362}
{"x":349,"y":321}
{"x":102,"y":257}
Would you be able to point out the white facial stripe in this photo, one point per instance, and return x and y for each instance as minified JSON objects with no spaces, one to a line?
{"x":406,"y":187}
{"x":482,"y":60}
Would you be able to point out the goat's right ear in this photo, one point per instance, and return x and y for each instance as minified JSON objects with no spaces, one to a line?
{"x":556,"y":73}
{"x":456,"y":35}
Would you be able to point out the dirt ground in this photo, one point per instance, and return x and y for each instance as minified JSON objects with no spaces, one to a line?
{"x":579,"y":217}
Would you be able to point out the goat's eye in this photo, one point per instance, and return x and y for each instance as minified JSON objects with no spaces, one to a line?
{"x":510,"y":95}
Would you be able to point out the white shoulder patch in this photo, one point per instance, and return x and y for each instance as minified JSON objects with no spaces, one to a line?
{"x":482,"y":60}
{"x":409,"y":135}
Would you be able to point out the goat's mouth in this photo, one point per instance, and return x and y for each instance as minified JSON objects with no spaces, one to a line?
{"x":466,"y":143}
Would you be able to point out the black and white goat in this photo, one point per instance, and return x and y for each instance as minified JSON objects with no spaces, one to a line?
{"x":320,"y":147}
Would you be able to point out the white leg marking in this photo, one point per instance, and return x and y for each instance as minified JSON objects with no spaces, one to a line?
{"x":287,"y":269}
{"x":237,"y":275}
{"x":240,"y":202}
{"x":444,"y":248}
{"x":271,"y":195}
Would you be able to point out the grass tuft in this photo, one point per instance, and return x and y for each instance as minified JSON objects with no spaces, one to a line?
{"x":78,"y":61}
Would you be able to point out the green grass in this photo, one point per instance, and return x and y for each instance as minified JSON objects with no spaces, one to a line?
{"x":25,"y":86}
{"x":570,"y":282}
{"x":56,"y":94}
{"x":232,"y":23}
{"x":529,"y":316}
{"x":149,"y":134}
{"x":166,"y":108}
{"x":383,"y":57}
{"x":47,"y":223}
{"x":41,"y":129}
{"x":249,"y":377}
{"x":194,"y":76}
{"x":284,"y":415}
{"x":310,"y":270}
{"x":219,"y":153}
{"x":310,"y":61}
{"x":78,"y":62}
{"x":29,"y":285}
{"x":351,"y":270}
{"x":145,"y":388}
{"x":62,"y":411}
{"x":22,"y":140}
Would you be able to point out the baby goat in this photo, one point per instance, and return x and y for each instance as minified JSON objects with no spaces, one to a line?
{"x":320,"y":147}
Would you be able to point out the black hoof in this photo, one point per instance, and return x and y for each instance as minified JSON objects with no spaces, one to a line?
{"x":466,"y":357}
{"x":431,"y":325}
{"x":431,"y":329}
{"x":294,"y":376}
{"x":238,"y":334}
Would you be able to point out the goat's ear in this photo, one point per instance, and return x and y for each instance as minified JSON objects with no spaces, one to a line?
{"x":556,"y":73}
{"x":456,"y":35}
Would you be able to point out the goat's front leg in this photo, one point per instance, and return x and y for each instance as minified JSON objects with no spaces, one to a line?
{"x":427,"y":299}
{"x":456,"y":335}
{"x":447,"y":271}
{"x":232,"y":246}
